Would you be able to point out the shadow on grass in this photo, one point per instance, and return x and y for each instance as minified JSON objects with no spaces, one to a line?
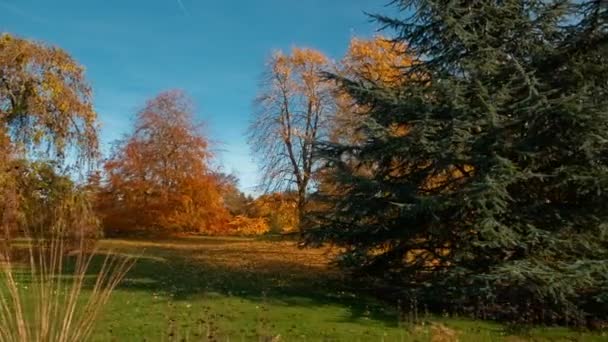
{"x":197,"y":267}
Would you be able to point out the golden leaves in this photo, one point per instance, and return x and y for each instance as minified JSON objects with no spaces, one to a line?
{"x":378,"y":60}
{"x":44,"y":97}
{"x":305,"y":57}
{"x":243,"y":225}
{"x":398,"y":130}
{"x":279,"y":210}
{"x":447,"y":178}
{"x":299,"y":71}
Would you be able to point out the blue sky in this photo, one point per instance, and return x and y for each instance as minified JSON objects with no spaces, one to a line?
{"x":213,"y":49}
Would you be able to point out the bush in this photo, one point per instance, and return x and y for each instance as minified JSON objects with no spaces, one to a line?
{"x":242,"y":225}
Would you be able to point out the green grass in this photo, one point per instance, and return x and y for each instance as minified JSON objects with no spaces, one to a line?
{"x":237,"y":289}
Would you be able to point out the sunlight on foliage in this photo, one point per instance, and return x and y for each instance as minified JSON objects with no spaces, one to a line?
{"x":158,"y":178}
{"x":45,"y":101}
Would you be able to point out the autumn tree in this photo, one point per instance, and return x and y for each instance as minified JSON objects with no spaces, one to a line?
{"x":279,"y":209}
{"x":293,"y":112}
{"x":377,"y":60}
{"x":8,"y":188}
{"x":235,"y":201}
{"x":46,"y":114}
{"x":45,"y":101}
{"x":48,"y":196}
{"x":158,"y":177}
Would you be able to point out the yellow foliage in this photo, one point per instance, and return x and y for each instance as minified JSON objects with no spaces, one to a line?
{"x":243,"y":225}
{"x":293,"y":111}
{"x":304,"y":56}
{"x":377,"y":59}
{"x":426,"y":258}
{"x":444,"y":178}
{"x":399,"y":130}
{"x":279,"y":210}
{"x":44,"y":97}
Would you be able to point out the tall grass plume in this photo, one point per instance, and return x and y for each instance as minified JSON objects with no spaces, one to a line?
{"x":48,"y":288}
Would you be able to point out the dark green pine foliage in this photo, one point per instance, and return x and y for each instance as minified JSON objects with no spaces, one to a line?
{"x":497,"y":197}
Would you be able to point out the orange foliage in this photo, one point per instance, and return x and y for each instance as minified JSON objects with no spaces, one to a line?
{"x":383,"y":62}
{"x":158,"y":177}
{"x":447,"y":178}
{"x":377,"y":61}
{"x":243,"y":225}
{"x":279,"y":209}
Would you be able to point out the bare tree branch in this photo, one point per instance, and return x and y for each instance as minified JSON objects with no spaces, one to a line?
{"x":291,"y":115}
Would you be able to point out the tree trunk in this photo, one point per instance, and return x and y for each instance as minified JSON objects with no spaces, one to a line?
{"x":301,"y":207}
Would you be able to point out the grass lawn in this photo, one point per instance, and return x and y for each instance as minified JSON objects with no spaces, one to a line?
{"x":238,"y":289}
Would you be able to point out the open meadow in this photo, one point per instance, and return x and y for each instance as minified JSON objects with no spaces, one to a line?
{"x":244,"y":289}
{"x":344,"y":170}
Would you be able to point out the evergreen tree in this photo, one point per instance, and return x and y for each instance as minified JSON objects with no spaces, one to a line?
{"x":496,"y":193}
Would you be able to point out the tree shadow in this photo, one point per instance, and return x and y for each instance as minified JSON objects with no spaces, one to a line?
{"x":187,"y":268}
